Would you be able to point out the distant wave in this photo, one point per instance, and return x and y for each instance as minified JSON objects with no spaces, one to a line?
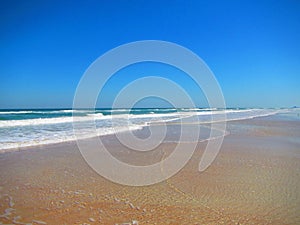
{"x":16,"y":112}
{"x":70,"y":119}
{"x":42,"y":111}
{"x":45,"y":121}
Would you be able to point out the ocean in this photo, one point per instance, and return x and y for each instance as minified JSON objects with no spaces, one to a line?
{"x":32,"y":127}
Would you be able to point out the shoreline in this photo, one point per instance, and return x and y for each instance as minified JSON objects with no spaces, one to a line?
{"x":39,"y":145}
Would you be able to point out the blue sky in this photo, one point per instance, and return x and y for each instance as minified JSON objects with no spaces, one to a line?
{"x":252,"y":47}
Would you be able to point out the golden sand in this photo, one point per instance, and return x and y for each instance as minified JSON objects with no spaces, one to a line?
{"x":254,"y":180}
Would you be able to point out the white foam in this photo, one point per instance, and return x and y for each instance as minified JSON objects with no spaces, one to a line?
{"x":46,"y":121}
{"x":44,"y":111}
{"x":60,"y":137}
{"x":16,"y":112}
{"x":30,"y":132}
{"x":153,"y":115}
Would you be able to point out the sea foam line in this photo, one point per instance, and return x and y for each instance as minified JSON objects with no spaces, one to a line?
{"x":70,"y":119}
{"x":100,"y":116}
{"x":85,"y":134}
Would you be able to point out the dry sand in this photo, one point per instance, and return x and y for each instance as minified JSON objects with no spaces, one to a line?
{"x":255,"y":179}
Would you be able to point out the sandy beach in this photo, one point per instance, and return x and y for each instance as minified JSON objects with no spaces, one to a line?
{"x":149,"y":112}
{"x":255,"y":179}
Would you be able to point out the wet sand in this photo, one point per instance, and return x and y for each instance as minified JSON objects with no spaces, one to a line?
{"x":255,"y":179}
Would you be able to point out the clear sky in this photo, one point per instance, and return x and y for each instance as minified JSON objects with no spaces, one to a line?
{"x":252,"y":47}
